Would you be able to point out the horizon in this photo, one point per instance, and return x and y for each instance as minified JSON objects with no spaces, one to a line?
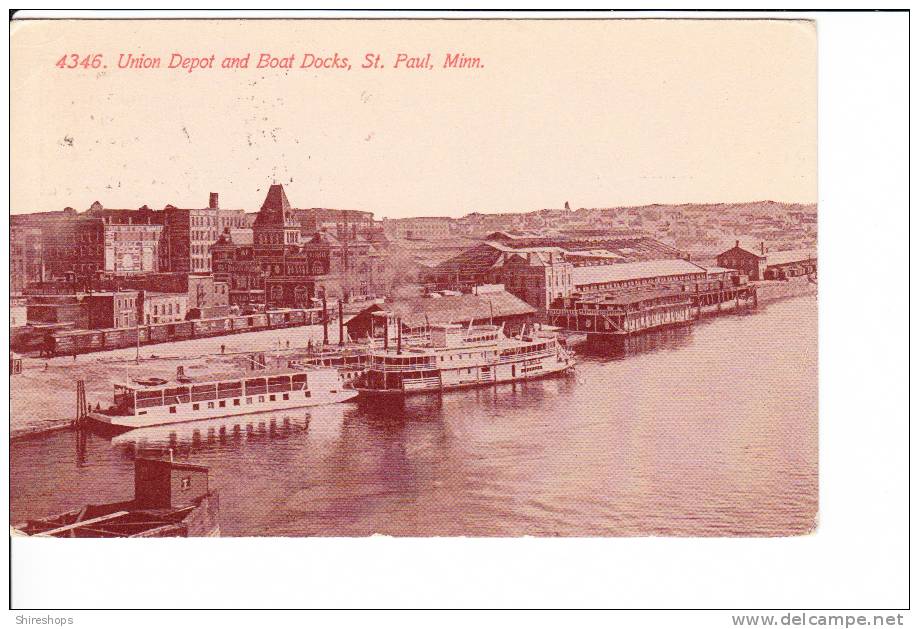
{"x":626,"y":112}
{"x":458,"y":215}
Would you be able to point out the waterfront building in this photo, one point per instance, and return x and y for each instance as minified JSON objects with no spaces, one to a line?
{"x":417,"y":314}
{"x":769,"y":265}
{"x":613,"y":277}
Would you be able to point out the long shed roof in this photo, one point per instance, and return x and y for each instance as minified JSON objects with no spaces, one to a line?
{"x":454,"y":308}
{"x":601,"y":274}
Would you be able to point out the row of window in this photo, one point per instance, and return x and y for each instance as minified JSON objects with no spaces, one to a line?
{"x":236,"y":402}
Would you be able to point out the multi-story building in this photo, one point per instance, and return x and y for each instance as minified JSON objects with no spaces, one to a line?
{"x":340,"y":223}
{"x":132,"y":239}
{"x":26,"y":255}
{"x":536,"y":275}
{"x":95,"y":310}
{"x":157,"y":307}
{"x":73,"y":248}
{"x":289,"y":262}
{"x":418,"y":228}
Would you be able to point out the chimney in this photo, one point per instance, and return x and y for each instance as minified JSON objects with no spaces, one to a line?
{"x":212,"y":203}
{"x":737,"y":244}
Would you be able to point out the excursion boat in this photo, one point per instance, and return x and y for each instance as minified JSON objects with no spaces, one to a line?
{"x":156,"y":401}
{"x":463,"y":357}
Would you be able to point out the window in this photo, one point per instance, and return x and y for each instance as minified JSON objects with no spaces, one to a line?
{"x":236,"y":402}
{"x":222,"y":403}
{"x":261,"y":398}
{"x":286,"y":396}
{"x":195,"y":407}
{"x":172,"y":409}
{"x":271,"y":398}
{"x":248,"y":400}
{"x":210,"y":405}
{"x":186,"y":482}
{"x":307,"y":394}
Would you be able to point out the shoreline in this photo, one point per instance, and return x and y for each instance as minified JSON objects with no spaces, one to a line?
{"x":774,"y":291}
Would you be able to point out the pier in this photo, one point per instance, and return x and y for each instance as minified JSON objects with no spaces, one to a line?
{"x":631,"y":311}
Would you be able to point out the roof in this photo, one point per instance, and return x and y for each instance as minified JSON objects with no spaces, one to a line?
{"x":276,"y":199}
{"x":789,"y":257}
{"x":601,"y":274}
{"x":454,"y":308}
{"x":171,"y":465}
{"x":621,"y":298}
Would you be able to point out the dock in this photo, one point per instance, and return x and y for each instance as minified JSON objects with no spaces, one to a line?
{"x":624,"y":312}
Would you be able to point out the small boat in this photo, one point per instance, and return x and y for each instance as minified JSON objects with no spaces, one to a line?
{"x":156,"y":402}
{"x":170,"y":500}
{"x":458,"y":357}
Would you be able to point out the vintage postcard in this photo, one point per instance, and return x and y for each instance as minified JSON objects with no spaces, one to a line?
{"x":413,"y":277}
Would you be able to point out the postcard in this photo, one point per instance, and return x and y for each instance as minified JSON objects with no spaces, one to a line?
{"x":413,"y":278}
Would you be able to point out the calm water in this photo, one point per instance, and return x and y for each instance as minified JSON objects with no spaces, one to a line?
{"x":708,"y":430}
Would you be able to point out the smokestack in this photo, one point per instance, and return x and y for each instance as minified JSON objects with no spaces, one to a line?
{"x":399,"y":333}
{"x":737,"y":244}
{"x":341,"y":325}
{"x":325,"y":321}
{"x":762,"y":248}
{"x":212,"y":203}
{"x":386,"y":334}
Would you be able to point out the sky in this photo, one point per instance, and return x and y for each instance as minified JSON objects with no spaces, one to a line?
{"x":596,"y":113}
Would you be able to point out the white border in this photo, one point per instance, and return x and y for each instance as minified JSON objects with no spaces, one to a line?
{"x":858,"y":557}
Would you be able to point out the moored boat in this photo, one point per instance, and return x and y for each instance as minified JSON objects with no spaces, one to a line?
{"x":156,"y":401}
{"x":458,"y":357}
{"x":171,"y":499}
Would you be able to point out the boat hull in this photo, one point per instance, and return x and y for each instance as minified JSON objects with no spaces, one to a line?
{"x":496,"y":376}
{"x":185,"y":413}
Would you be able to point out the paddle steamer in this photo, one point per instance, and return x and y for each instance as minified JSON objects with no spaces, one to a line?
{"x":457,"y":357}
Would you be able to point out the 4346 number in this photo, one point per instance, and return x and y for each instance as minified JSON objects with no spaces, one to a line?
{"x":76,"y":61}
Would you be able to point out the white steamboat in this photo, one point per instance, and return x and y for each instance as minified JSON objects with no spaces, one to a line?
{"x":156,"y":401}
{"x":458,"y":357}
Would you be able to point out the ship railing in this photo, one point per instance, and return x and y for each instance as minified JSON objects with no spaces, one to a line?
{"x":393,"y":368}
{"x":278,"y":388}
{"x":256,"y":390}
{"x":433,"y":380}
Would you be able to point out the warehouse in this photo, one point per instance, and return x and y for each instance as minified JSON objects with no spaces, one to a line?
{"x":416,"y":314}
{"x":610,"y":277}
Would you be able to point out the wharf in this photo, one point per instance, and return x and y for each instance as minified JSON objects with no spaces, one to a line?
{"x":631,"y":311}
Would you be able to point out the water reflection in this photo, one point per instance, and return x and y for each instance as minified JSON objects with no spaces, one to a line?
{"x":702,"y":430}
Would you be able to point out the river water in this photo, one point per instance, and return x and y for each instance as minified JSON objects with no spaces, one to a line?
{"x":708,"y":430}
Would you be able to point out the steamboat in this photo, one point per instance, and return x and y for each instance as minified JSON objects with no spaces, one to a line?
{"x":156,"y":401}
{"x":456,"y":357}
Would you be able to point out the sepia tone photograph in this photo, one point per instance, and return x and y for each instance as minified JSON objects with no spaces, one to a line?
{"x":413,"y":278}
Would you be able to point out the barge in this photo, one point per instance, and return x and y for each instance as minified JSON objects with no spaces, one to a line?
{"x":170,"y":500}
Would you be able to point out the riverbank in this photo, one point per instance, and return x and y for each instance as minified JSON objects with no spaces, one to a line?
{"x":774,"y":290}
{"x":43,"y":396}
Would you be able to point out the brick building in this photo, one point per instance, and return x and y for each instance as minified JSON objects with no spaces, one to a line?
{"x":90,"y":311}
{"x":769,"y":265}
{"x":157,"y":307}
{"x":132,"y":238}
{"x":73,"y":248}
{"x":418,"y":228}
{"x":26,"y":255}
{"x":289,"y":262}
